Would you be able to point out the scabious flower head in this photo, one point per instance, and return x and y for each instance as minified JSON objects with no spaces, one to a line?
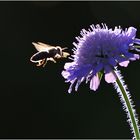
{"x":98,"y":50}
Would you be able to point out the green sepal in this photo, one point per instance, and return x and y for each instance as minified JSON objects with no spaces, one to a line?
{"x":100,"y":75}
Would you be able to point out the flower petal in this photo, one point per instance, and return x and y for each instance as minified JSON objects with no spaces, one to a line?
{"x":137,"y":41}
{"x":68,"y":65}
{"x":124,"y":63}
{"x":65,"y":74}
{"x":136,"y":56}
{"x":110,"y":77}
{"x":70,"y":87}
{"x":131,"y":32}
{"x":78,"y":83}
{"x":94,"y":82}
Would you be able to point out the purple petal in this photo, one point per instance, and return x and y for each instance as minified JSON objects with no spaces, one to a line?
{"x":136,"y":56}
{"x":131,"y":32}
{"x":78,"y":83}
{"x":124,"y":63}
{"x":94,"y":82}
{"x":110,"y":77}
{"x":65,"y":74}
{"x":70,"y":88}
{"x":137,"y":41}
{"x":68,"y":65}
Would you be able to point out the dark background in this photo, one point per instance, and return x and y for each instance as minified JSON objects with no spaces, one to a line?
{"x":34,"y":102}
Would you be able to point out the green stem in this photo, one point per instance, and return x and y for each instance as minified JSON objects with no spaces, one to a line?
{"x":128,"y":105}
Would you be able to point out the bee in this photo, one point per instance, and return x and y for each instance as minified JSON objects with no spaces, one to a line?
{"x":47,"y":53}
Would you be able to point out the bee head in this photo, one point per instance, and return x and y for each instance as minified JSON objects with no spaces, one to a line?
{"x":59,"y":51}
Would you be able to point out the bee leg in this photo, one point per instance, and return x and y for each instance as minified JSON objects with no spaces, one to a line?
{"x":57,"y":56}
{"x":45,"y":62}
{"x":51,"y":59}
{"x":39,"y":63}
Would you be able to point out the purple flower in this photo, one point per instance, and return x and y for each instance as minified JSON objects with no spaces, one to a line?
{"x":98,"y":51}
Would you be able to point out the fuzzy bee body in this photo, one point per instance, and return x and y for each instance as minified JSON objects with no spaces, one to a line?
{"x":47,"y":52}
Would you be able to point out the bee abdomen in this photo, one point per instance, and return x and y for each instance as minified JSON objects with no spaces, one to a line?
{"x":40,"y":55}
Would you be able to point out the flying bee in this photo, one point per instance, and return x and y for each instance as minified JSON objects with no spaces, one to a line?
{"x":47,"y":52}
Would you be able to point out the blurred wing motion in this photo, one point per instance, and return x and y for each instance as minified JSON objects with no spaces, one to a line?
{"x":42,"y":46}
{"x":47,"y":52}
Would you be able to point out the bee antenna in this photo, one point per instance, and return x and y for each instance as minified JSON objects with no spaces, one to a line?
{"x":33,"y":43}
{"x":64,"y":48}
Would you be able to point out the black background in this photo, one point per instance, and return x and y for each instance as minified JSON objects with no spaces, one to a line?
{"x":34,"y":102}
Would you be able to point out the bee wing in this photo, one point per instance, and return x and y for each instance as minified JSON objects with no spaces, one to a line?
{"x":47,"y":46}
{"x":65,"y":54}
{"x":39,"y":47}
{"x":42,"y":46}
